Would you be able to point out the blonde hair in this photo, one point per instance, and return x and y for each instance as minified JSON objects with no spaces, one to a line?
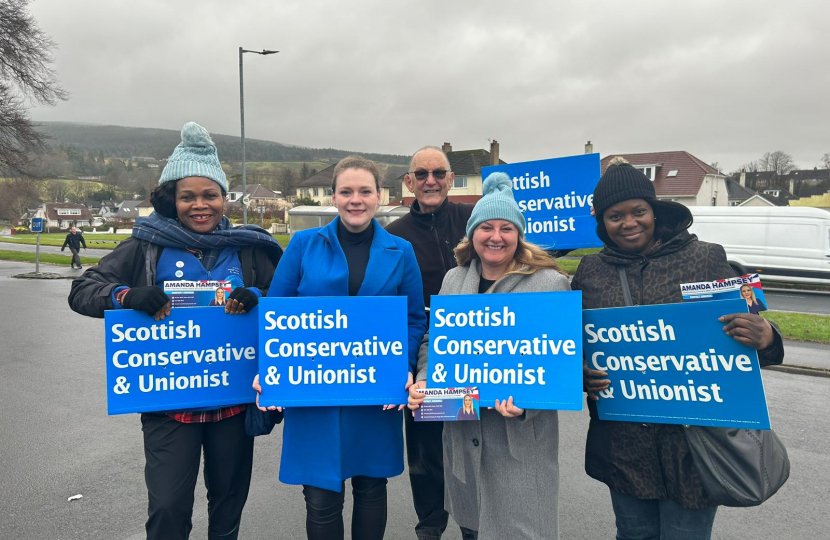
{"x":751,"y":292}
{"x":527,"y":259}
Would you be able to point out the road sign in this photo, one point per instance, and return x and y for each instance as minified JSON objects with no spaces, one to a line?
{"x":37,"y":224}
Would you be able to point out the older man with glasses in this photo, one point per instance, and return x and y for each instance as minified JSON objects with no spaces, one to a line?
{"x":434,"y":226}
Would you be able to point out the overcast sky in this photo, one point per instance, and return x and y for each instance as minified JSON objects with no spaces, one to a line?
{"x":725,"y":81}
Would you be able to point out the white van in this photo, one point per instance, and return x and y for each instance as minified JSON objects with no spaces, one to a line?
{"x":781,"y":243}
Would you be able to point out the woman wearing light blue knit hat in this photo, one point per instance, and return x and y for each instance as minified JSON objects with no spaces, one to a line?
{"x":188,"y":238}
{"x":505,"y":484}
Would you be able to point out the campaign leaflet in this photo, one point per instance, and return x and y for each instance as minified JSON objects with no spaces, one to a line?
{"x":448,"y":405}
{"x":674,"y":364}
{"x":197,"y":293}
{"x":747,"y":287}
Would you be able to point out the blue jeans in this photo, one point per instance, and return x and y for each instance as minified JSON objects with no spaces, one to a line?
{"x":651,"y":519}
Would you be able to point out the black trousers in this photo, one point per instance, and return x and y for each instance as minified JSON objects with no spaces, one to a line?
{"x":76,"y":257}
{"x":173,"y":451}
{"x":324,"y":510}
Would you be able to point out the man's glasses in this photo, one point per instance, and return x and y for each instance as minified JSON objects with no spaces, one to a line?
{"x":423,"y":174}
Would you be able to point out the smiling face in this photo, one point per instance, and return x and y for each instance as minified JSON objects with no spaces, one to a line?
{"x":630,"y":225}
{"x":357,"y":199}
{"x":220,"y":295}
{"x":430,"y":192}
{"x":495,"y":242}
{"x":746,"y":291}
{"x":199,"y":203}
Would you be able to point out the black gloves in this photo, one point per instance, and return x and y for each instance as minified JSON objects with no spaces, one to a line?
{"x":149,"y":299}
{"x":245,"y":297}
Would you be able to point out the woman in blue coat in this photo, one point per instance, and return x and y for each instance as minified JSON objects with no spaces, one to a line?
{"x":324,"y":446}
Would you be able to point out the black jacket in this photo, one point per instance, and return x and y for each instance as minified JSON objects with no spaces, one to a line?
{"x":433,"y":236}
{"x":74,"y":241}
{"x":133,"y":264}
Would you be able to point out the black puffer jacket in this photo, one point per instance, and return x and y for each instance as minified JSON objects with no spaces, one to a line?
{"x":650,"y":461}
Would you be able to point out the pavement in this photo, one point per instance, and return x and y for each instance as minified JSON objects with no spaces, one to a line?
{"x":54,"y":250}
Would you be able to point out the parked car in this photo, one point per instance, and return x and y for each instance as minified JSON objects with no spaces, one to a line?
{"x":781,"y":243}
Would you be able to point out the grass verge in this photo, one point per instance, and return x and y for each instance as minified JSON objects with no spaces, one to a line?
{"x":45,"y":258}
{"x":801,"y":326}
{"x":92,"y":240}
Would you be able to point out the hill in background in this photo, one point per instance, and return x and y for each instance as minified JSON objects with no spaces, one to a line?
{"x":126,"y":142}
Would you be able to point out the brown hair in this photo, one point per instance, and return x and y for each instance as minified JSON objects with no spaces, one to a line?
{"x":355,"y":162}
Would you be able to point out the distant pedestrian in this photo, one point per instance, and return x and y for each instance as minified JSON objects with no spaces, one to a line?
{"x":74,"y":241}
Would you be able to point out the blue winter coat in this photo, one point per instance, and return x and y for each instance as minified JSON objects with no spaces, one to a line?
{"x":322,"y":446}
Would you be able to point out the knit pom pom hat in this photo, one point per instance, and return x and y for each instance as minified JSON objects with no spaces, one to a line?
{"x":496,"y":203}
{"x":194,"y":156}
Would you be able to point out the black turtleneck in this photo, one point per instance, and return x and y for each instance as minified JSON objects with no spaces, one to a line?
{"x":356,"y":247}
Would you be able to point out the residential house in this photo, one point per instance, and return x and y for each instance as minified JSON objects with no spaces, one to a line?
{"x":127,"y":211}
{"x":108,"y":210}
{"x":256,"y":193}
{"x":737,"y":193}
{"x":64,"y":215}
{"x":466,"y":164}
{"x":679,"y":176}
{"x":318,"y":188}
{"x":793,"y":182}
{"x":144,"y":208}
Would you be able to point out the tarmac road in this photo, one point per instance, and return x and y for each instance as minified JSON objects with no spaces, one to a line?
{"x":57,"y":441}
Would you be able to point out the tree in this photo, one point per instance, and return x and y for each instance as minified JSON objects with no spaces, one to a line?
{"x":26,"y":75}
{"x":19,"y":194}
{"x":307,"y":201}
{"x":826,"y":160}
{"x":305,"y":172}
{"x":287,"y":179}
{"x":779,"y":163}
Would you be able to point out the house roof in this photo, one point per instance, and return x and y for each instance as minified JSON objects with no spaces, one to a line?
{"x":257,"y":191}
{"x":144,"y":204}
{"x":469,"y":162}
{"x":689,"y":177}
{"x":737,"y":191}
{"x":52,"y":212}
{"x":323,"y":179}
{"x":128,"y":208}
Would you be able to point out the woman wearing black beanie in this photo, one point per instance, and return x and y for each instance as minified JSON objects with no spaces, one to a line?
{"x":655,"y":490}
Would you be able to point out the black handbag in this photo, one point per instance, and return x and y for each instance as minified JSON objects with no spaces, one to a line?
{"x":738,"y":467}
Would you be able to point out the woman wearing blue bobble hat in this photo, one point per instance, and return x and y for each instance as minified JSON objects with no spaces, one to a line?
{"x":187,"y":238}
{"x":501,"y":473}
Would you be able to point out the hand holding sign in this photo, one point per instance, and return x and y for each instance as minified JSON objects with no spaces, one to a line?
{"x":593,"y":383}
{"x":748,"y":329}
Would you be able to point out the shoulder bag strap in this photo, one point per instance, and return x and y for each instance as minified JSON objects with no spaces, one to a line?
{"x":624,"y":282}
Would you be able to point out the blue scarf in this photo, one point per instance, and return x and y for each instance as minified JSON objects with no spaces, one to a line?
{"x":168,"y":232}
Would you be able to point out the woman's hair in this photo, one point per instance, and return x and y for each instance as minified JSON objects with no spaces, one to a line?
{"x":751,"y":292}
{"x":163,"y":199}
{"x":355,"y":162}
{"x":526,"y":260}
{"x":220,"y":289}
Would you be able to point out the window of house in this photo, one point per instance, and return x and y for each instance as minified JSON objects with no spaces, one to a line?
{"x":69,"y":212}
{"x":648,"y":171}
{"x":460,"y":182}
{"x":316,"y":192}
{"x":327,"y":191}
{"x":672,"y":173}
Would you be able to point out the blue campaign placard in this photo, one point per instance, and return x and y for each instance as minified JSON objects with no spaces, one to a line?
{"x":674,"y":364}
{"x":555,"y":197}
{"x":525,"y":345}
{"x":349,"y":350}
{"x":197,"y":358}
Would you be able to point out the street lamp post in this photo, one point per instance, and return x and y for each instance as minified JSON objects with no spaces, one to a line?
{"x":263,"y":52}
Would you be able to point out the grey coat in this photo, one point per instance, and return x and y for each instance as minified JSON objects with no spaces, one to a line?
{"x":502,"y":474}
